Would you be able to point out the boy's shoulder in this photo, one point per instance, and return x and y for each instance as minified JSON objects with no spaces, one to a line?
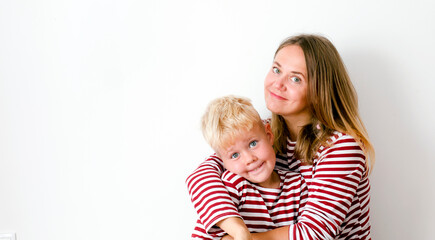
{"x":231,"y":177}
{"x":236,"y":181}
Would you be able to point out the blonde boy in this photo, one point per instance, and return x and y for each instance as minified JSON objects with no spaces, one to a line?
{"x":265,"y":198}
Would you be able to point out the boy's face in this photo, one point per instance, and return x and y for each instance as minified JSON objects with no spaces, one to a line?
{"x":251,"y":155}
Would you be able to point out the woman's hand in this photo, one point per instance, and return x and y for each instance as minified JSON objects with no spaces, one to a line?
{"x":235,"y":227}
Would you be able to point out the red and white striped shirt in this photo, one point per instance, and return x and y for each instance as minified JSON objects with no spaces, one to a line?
{"x":262,"y":209}
{"x":338,"y":192}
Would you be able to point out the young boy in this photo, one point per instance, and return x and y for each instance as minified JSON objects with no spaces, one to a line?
{"x":265,"y":198}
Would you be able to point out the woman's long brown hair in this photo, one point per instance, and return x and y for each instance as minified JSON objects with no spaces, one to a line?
{"x":332,"y":102}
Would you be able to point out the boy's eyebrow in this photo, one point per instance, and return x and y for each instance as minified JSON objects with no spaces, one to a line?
{"x":227,"y":150}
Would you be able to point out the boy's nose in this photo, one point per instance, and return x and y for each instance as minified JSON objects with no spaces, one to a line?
{"x":251,"y":158}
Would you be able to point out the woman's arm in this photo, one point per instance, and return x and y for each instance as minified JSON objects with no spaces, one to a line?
{"x":208,"y":194}
{"x":335,"y":179}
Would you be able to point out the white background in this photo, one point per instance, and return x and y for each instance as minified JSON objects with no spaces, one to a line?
{"x":100,"y":102}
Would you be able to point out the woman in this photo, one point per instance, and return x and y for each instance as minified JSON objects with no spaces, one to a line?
{"x":318,"y":132}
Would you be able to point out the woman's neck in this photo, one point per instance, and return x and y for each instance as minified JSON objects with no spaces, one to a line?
{"x":294,"y":125}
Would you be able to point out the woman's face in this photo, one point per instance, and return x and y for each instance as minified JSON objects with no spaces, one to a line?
{"x":286,"y":84}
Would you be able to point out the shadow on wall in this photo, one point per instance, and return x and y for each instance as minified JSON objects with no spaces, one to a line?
{"x":386,"y":105}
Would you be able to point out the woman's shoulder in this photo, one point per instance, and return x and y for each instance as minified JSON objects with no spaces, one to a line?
{"x":342,"y":138}
{"x":341,"y":143}
{"x":290,"y":176}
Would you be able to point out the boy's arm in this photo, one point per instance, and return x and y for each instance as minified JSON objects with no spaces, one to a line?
{"x":236,"y":228}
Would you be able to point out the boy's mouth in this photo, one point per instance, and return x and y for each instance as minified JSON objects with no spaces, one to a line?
{"x":256,"y":169}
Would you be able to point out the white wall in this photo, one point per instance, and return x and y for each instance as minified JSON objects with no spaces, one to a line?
{"x":100,"y":104}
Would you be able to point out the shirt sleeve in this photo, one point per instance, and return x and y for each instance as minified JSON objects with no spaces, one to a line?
{"x":234,"y":184}
{"x":208,"y":194}
{"x":337,"y":173}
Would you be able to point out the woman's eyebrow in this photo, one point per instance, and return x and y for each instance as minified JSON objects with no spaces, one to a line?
{"x":299,"y":73}
{"x":279,"y":65}
{"x":294,"y":72}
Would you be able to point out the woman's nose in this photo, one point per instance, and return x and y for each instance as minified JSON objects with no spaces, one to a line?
{"x":279,"y":82}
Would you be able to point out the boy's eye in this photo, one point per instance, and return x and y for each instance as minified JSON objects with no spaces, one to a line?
{"x":275,"y":70}
{"x":295,"y":79}
{"x":253,"y":144}
{"x":235,"y":155}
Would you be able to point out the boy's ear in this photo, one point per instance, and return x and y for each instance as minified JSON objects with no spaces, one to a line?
{"x":217,"y":153}
{"x":269,"y":132}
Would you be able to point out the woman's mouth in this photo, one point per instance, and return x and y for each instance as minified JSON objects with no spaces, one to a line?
{"x":277,"y":96}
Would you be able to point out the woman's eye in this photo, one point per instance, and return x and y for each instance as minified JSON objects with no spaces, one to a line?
{"x":253,"y":144}
{"x":295,"y":79}
{"x":275,"y":70}
{"x":235,"y":155}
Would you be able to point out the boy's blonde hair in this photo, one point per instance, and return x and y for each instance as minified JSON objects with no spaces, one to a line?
{"x":227,"y":117}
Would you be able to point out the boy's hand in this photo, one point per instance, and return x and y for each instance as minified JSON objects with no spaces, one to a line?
{"x":243,"y":235}
{"x":228,"y":237}
{"x":235,"y":228}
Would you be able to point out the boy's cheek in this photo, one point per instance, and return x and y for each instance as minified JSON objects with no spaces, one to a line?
{"x":230,"y":166}
{"x":227,"y":164}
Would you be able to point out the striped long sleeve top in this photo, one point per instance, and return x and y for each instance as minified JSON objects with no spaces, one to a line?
{"x":262,"y":209}
{"x":338,"y":192}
